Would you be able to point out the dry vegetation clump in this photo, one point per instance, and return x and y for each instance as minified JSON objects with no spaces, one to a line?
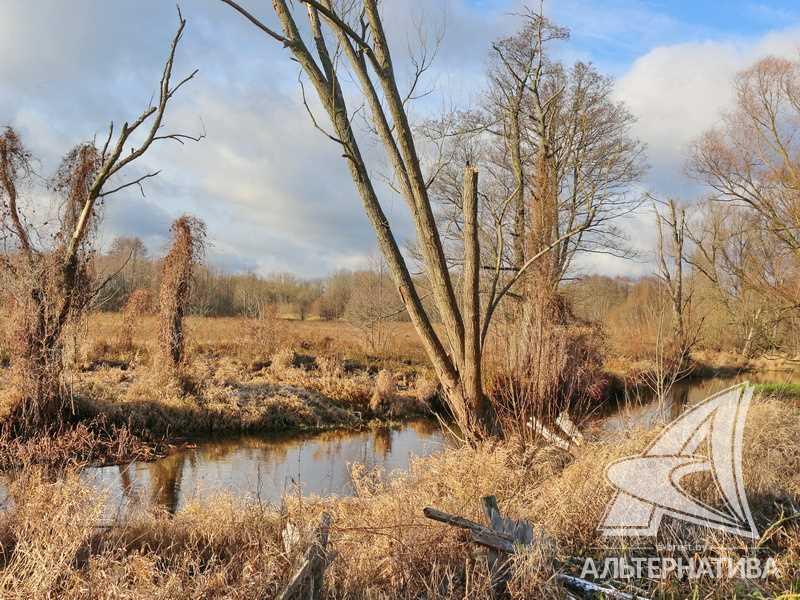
{"x":330,"y":365}
{"x":94,"y":442}
{"x":188,"y":247}
{"x":426,"y":388}
{"x":138,"y":305}
{"x":283,"y":360}
{"x":554,"y":364}
{"x":266,"y":332}
{"x":384,"y":393}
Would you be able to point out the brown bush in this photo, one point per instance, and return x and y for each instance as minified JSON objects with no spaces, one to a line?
{"x":188,"y":245}
{"x":560,"y":368}
{"x":266,"y":331}
{"x":330,"y":365}
{"x":283,"y":360}
{"x":426,"y":388}
{"x":138,"y":305}
{"x":385,"y":392}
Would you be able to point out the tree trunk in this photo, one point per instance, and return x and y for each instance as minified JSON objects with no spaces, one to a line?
{"x":471,"y":376}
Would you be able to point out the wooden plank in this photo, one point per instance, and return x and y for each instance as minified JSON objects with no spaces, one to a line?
{"x":491,"y":540}
{"x":567,"y":425}
{"x":298,"y":582}
{"x":461,"y":522}
{"x":520,"y":532}
{"x":308,"y":579}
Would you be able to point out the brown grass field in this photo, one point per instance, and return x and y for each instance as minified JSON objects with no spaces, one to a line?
{"x":244,"y":375}
{"x":238,"y":375}
{"x":230,"y":548}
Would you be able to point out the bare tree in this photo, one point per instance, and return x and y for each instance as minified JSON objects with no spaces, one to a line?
{"x":357,"y":30}
{"x":556,"y":152}
{"x":672,"y":259}
{"x":51,"y":282}
{"x":372,"y":303}
{"x":751,"y":162}
{"x":754,"y":278}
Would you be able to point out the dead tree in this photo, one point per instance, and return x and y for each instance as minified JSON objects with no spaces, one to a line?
{"x":188,"y":243}
{"x":361,"y":41}
{"x":672,"y":258}
{"x":51,"y":282}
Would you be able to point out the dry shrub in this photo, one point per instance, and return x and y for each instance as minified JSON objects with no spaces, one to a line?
{"x":49,"y":523}
{"x":95,"y":441}
{"x":138,"y":305}
{"x":50,"y":286}
{"x":188,"y":247}
{"x":283,"y":360}
{"x":266,"y":332}
{"x":385,"y":392}
{"x":554,"y":364}
{"x":330,"y":365}
{"x":426,"y":388}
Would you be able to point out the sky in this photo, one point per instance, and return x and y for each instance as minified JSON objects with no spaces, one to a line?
{"x":274,"y":192}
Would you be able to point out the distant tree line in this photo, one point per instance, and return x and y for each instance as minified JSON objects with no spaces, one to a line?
{"x":360,"y":296}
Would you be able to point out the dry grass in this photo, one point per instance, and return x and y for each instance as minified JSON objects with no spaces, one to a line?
{"x":228,"y":383}
{"x":234,"y":337}
{"x":386,"y":549}
{"x":94,"y":442}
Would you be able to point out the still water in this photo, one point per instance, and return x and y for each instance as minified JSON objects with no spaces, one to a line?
{"x":264,"y":468}
{"x":639,"y":409}
{"x":268,"y":467}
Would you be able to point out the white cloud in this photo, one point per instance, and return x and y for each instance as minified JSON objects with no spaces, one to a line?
{"x":274,"y":191}
{"x":679,"y":91}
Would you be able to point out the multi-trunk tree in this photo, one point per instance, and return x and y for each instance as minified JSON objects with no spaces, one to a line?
{"x":340,"y":42}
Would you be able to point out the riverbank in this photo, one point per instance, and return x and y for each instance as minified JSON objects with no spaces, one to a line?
{"x":233,"y":547}
{"x":295,"y":376}
{"x":130,"y":411}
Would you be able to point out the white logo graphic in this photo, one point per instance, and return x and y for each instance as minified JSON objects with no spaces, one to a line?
{"x":649,"y":486}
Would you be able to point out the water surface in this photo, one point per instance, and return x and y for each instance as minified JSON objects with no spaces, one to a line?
{"x":268,"y":467}
{"x":265,"y":467}
{"x":639,"y":408}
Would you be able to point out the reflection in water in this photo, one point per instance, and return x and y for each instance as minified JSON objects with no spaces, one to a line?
{"x":641,"y":410}
{"x":265,"y":467}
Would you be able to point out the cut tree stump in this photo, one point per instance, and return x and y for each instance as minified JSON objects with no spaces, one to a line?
{"x":307,"y":582}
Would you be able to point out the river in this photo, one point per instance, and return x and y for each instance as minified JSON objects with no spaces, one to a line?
{"x":268,"y":467}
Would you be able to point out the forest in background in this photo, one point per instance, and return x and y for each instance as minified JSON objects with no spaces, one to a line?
{"x":631,"y":311}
